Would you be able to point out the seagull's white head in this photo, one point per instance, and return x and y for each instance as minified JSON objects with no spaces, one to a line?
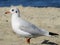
{"x":13,"y":10}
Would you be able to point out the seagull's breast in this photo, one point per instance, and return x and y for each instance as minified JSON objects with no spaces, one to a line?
{"x":17,"y":30}
{"x":16,"y":23}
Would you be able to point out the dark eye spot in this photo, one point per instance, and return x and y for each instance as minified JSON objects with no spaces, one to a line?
{"x":16,"y":11}
{"x":12,"y":9}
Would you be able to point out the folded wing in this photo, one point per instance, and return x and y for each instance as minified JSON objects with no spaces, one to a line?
{"x":32,"y":29}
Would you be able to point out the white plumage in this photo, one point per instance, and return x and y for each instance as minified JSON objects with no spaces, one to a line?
{"x":24,"y":28}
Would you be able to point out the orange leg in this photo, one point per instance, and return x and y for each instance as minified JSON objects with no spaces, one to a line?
{"x":28,"y":40}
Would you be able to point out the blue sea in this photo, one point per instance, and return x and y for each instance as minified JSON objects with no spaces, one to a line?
{"x":33,"y":3}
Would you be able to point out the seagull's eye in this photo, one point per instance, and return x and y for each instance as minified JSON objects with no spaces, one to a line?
{"x":12,"y":9}
{"x":16,"y":11}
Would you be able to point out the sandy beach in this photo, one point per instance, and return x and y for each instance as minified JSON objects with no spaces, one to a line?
{"x":47,"y":18}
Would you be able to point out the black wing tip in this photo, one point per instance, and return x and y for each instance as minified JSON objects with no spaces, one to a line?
{"x":51,"y":33}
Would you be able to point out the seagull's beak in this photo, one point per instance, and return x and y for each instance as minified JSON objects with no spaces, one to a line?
{"x":7,"y":12}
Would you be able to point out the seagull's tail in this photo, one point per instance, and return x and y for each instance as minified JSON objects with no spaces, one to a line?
{"x":53,"y":34}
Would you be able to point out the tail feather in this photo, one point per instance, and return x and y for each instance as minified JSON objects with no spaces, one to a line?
{"x":53,"y":34}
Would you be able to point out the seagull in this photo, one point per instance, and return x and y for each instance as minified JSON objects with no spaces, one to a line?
{"x":25,"y":28}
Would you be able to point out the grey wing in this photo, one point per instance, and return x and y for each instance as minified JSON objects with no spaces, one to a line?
{"x":32,"y":29}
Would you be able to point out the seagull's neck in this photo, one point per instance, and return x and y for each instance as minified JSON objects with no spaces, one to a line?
{"x":15,"y":15}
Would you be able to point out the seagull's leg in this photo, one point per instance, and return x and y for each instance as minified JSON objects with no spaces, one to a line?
{"x":28,"y":40}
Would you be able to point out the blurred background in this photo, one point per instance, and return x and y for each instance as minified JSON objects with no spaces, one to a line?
{"x":34,"y":3}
